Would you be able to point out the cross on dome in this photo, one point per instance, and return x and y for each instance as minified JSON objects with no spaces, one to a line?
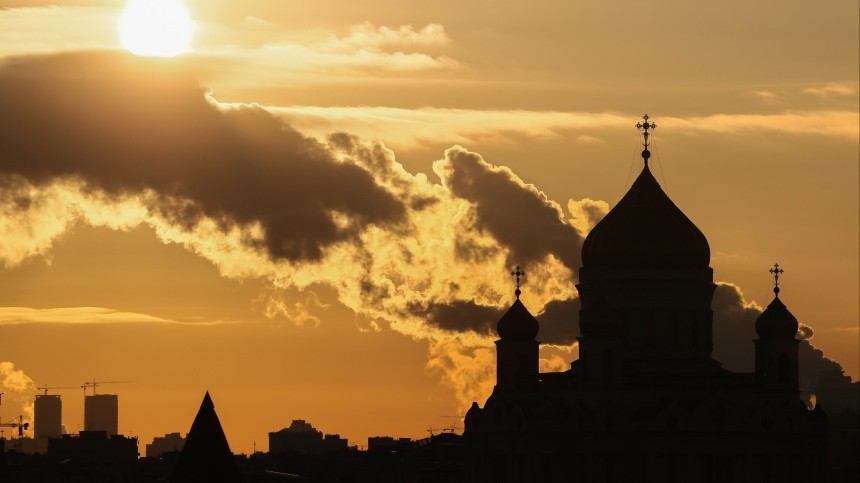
{"x":776,"y":271}
{"x":518,"y":273}
{"x":646,"y":126}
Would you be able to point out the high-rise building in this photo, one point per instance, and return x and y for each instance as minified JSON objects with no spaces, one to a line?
{"x":48,"y":416}
{"x":101,"y":413}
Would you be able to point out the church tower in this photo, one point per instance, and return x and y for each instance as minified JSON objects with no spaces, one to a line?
{"x":645,"y":288}
{"x":776,"y":363}
{"x":516,"y":349}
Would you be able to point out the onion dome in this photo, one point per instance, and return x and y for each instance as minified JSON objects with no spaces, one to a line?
{"x":518,"y":323}
{"x":776,"y":322}
{"x":646,"y":230}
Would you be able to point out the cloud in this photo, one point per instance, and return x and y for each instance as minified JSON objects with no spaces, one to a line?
{"x":116,"y":141}
{"x":734,"y":328}
{"x":460,"y":316}
{"x":469,"y":371}
{"x":765,"y":95}
{"x":267,"y":55}
{"x":134,"y":141}
{"x":586,"y":213}
{"x":18,"y":389}
{"x":44,"y":27}
{"x":586,"y":139}
{"x":839,"y":124}
{"x":515,"y":213}
{"x":559,"y":322}
{"x":277,"y":304}
{"x":408,"y":127}
{"x":80,"y":315}
{"x":108,"y":126}
{"x":831,"y":89}
{"x":31,"y":219}
{"x":415,"y":127}
{"x":365,"y":35}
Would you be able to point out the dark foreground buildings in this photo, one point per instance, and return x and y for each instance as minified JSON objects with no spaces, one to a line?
{"x":645,"y":402}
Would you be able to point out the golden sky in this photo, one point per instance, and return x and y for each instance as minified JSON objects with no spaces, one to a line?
{"x":312,"y":213}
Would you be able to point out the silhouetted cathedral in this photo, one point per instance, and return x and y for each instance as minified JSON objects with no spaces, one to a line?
{"x":645,"y":401}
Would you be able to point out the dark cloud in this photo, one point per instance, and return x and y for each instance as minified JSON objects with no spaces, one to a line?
{"x":734,"y":329}
{"x":805,"y":332}
{"x":459,"y":316}
{"x":559,"y":322}
{"x":519,"y":216}
{"x":123,"y":125}
{"x":559,"y":319}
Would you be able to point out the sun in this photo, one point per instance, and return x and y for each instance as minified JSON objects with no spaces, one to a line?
{"x":159,"y":28}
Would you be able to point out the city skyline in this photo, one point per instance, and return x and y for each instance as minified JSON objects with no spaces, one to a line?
{"x":314,"y":211}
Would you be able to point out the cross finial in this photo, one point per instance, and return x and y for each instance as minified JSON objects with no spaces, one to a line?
{"x":518,"y":273}
{"x":646,"y":126}
{"x":776,"y":271}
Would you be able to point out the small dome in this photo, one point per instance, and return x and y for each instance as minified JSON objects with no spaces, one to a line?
{"x":776,"y":322}
{"x":646,"y":230}
{"x":518,"y":323}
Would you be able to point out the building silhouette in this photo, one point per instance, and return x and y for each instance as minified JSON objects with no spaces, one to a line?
{"x":645,"y":401}
{"x":170,"y":442}
{"x":301,"y":437}
{"x":101,"y":413}
{"x":93,"y":449}
{"x":48,"y":416}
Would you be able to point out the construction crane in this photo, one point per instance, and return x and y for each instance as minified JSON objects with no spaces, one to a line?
{"x":94,"y":383}
{"x":21,"y":425}
{"x":450,"y":429}
{"x":46,"y":387}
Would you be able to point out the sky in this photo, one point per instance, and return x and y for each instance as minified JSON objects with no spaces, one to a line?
{"x":314,"y":211}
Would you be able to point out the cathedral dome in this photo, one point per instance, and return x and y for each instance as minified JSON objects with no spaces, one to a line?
{"x":601,"y":319}
{"x":776,"y":322}
{"x":646,"y":230}
{"x":518,"y":323}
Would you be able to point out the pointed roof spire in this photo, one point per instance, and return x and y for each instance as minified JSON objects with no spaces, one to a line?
{"x":646,"y":126}
{"x":206,"y":455}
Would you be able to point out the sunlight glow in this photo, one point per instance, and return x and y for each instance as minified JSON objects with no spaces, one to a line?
{"x":159,"y":28}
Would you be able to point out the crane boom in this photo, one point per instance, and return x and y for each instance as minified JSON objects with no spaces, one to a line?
{"x":46,"y":387}
{"x":95,"y":383}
